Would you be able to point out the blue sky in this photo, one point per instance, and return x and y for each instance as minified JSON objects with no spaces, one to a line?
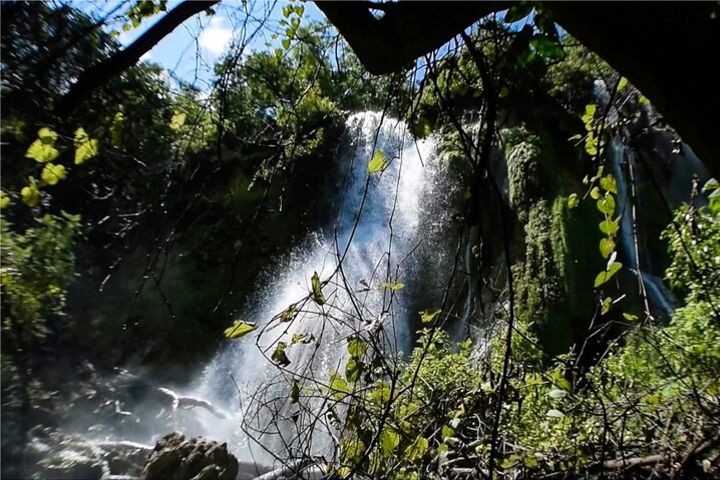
{"x":191,"y":50}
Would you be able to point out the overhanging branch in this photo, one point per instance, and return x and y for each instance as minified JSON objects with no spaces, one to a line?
{"x":406,"y":31}
{"x":100,"y":73}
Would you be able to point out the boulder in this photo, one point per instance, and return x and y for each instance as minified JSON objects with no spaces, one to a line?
{"x":175,"y":457}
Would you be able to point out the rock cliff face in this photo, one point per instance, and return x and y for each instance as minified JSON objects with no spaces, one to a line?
{"x":175,"y":457}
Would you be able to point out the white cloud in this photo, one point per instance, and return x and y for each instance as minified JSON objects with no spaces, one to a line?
{"x":216,"y":37}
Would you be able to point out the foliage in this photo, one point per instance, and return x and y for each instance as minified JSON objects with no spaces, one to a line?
{"x":623,"y":407}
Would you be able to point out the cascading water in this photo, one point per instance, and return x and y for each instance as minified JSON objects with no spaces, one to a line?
{"x":376,"y":238}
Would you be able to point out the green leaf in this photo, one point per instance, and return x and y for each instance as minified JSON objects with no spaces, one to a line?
{"x":278,"y":356}
{"x":610,"y":227}
{"x":317,"y":293}
{"x":421,"y":128}
{"x":517,"y":12}
{"x":392,"y":286}
{"x":116,"y":129}
{"x":353,"y":369}
{"x":302,"y":338}
{"x":338,"y":384}
{"x":595,"y":193}
{"x":178,"y":120}
{"x":553,"y":413}
{"x":5,"y":199}
{"x":557,"y":394}
{"x":548,"y":48}
{"x":389,"y":440}
{"x":622,"y":83}
{"x":531,"y":461}
{"x":605,"y":305}
{"x":427,"y":316}
{"x":286,"y":43}
{"x":630,"y":317}
{"x":417,"y":449}
{"x":377,"y":163}
{"x":30,"y":194}
{"x":573,"y":200}
{"x":608,"y":183}
{"x":239,"y":329}
{"x":446,"y":432}
{"x":606,"y":247}
{"x":643,"y":100}
{"x":356,"y":347}
{"x":353,"y":447}
{"x":294,"y":391}
{"x":714,"y":203}
{"x":711,"y":186}
{"x":603,"y":277}
{"x":289,"y":314}
{"x":606,"y":204}
{"x":85,"y":147}
{"x":52,"y":174}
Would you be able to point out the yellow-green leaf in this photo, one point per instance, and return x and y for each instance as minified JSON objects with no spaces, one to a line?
{"x":573,"y":200}
{"x":30,"y":194}
{"x":589,"y":115}
{"x":5,"y":199}
{"x":356,"y":347}
{"x":177,"y":121}
{"x":116,"y":129}
{"x":317,"y":293}
{"x":427,"y":316}
{"x":392,"y":286}
{"x":42,"y":149}
{"x":609,"y":227}
{"x":417,"y":449}
{"x":389,"y":440}
{"x":606,"y":247}
{"x":239,"y":329}
{"x":630,"y":317}
{"x":608,"y":183}
{"x":377,"y":163}
{"x":622,"y":83}
{"x":302,"y":338}
{"x":85,"y":147}
{"x":606,"y":204}
{"x":52,"y":174}
{"x":605,"y":305}
{"x":603,"y":277}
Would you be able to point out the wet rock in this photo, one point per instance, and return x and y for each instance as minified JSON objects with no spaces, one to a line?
{"x":70,"y":464}
{"x":124,"y":458}
{"x":175,"y":457}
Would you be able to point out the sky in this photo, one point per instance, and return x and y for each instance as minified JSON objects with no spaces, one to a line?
{"x":191,"y":50}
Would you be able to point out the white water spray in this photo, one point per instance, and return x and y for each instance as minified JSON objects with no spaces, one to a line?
{"x":378,"y":235}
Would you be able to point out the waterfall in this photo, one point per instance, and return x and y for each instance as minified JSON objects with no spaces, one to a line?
{"x":378,"y":233}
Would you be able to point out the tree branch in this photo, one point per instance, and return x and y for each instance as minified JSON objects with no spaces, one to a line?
{"x":100,"y":73}
{"x":407,"y":30}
